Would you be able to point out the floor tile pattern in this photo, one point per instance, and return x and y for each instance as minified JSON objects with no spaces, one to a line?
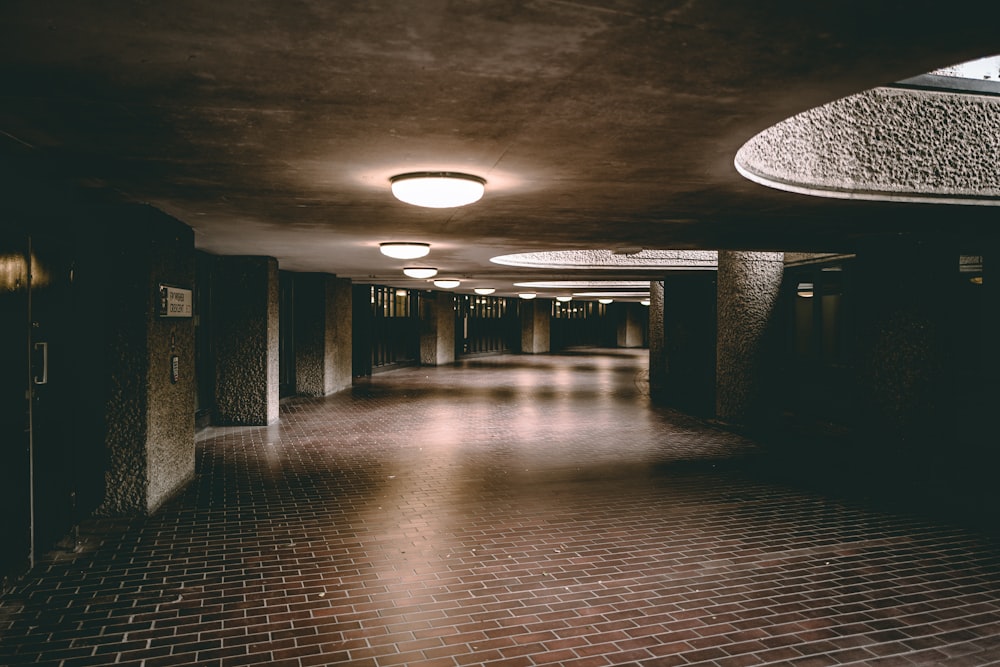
{"x":508,"y":511}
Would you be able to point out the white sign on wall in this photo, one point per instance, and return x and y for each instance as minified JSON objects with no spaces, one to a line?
{"x":176,"y":302}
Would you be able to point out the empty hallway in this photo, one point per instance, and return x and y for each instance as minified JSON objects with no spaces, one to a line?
{"x":509,"y":510}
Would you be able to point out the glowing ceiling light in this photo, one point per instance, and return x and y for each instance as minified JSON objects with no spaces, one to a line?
{"x":484,"y":290}
{"x":437,"y":189}
{"x":420,"y":272}
{"x":447,"y":283}
{"x":404,"y":250}
{"x":605,"y":301}
{"x":564,"y":299}
{"x":645,"y":302}
{"x":527,"y":296}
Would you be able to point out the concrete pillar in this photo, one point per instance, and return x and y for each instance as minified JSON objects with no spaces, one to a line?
{"x":437,"y":329}
{"x":657,"y":342}
{"x":748,"y":288}
{"x":631,"y":325}
{"x":150,"y":411}
{"x":904,"y":290}
{"x":246,"y":340}
{"x":323,"y":349}
{"x":536,"y":325}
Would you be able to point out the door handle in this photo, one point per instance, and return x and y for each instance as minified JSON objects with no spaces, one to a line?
{"x":42,"y":360}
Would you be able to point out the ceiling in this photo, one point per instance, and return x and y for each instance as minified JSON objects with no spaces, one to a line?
{"x":272,"y":128}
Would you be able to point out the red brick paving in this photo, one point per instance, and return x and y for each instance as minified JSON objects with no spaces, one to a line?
{"x":510,"y":511}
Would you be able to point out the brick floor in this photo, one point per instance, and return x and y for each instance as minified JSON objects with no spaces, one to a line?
{"x":509,"y":511}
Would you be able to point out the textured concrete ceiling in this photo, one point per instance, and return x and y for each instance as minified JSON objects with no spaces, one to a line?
{"x":273,"y":127}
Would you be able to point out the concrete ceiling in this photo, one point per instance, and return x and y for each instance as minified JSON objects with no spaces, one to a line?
{"x":272,"y":127}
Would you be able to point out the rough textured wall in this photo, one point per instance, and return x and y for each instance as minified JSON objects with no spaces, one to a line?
{"x":437,"y":329}
{"x":536,"y":326}
{"x":171,"y":450}
{"x":128,"y":372}
{"x":150,"y":420}
{"x":748,"y":287}
{"x":246,"y":337}
{"x":884,"y":142}
{"x":657,"y":343}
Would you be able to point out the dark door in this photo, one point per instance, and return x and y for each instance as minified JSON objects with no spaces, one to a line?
{"x":38,"y":355}
{"x":54,"y":409}
{"x":15,"y":517}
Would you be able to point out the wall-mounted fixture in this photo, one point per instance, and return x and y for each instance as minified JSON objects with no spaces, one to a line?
{"x":645,"y":302}
{"x":404,"y":249}
{"x":527,"y":296}
{"x":437,"y":189}
{"x":564,"y":299}
{"x":420,"y":272}
{"x":805,"y":290}
{"x":447,"y":283}
{"x":484,"y":290}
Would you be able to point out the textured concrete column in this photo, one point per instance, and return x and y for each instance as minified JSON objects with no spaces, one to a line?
{"x":905,"y":361}
{"x":657,"y":342}
{"x":323,"y":317}
{"x":536,"y":316}
{"x":630,"y":326}
{"x":246,"y":340}
{"x":150,"y":417}
{"x":437,"y":329}
{"x":748,"y":287}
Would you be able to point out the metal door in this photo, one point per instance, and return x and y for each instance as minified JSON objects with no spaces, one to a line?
{"x":37,"y":459}
{"x":15,"y":519}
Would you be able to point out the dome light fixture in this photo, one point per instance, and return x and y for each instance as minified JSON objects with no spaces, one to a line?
{"x":404,"y":249}
{"x":527,"y":296}
{"x":420,"y":272}
{"x":645,"y":302}
{"x":447,"y":283}
{"x":485,"y":290}
{"x":605,"y":301}
{"x":564,"y":299}
{"x":437,"y":189}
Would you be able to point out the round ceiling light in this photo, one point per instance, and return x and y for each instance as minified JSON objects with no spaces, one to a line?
{"x":485,"y":290}
{"x":605,"y":301}
{"x":437,"y":189}
{"x":420,"y":272}
{"x":645,"y":302}
{"x":528,"y":296}
{"x":564,"y":299}
{"x":404,"y":249}
{"x":447,"y":283}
